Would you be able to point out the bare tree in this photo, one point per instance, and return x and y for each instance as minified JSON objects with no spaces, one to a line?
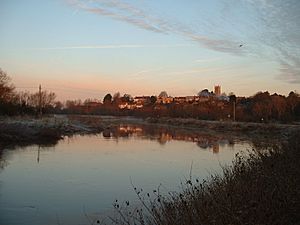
{"x":6,"y":88}
{"x":46,"y":98}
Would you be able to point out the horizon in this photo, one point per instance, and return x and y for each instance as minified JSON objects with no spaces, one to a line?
{"x":83,"y":49}
{"x":100,"y":99}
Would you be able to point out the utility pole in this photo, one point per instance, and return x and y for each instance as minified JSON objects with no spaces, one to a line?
{"x":232,"y":99}
{"x":40,"y":100}
{"x":38,"y":156}
{"x":234,"y":111}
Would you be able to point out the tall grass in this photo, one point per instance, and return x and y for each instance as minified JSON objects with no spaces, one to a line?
{"x":261,"y":188}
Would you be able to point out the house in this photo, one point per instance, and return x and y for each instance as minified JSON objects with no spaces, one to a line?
{"x":179,"y":100}
{"x":141,"y":100}
{"x":164,"y":100}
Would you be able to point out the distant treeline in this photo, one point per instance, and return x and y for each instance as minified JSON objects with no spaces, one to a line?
{"x":262,"y":107}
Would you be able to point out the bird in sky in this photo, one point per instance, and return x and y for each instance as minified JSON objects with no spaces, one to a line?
{"x":241,"y":45}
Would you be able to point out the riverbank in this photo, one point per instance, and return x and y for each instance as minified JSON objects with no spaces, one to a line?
{"x":228,"y":126}
{"x":18,"y":131}
{"x":259,"y":189}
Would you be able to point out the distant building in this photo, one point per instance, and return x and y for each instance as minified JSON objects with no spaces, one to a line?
{"x":191,"y":98}
{"x":223,"y":97}
{"x":205,"y":93}
{"x":141,"y":100}
{"x":179,"y":100}
{"x":217,"y":90}
{"x":164,"y":100}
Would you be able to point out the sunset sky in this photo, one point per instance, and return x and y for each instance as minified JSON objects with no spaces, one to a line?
{"x":85,"y":48}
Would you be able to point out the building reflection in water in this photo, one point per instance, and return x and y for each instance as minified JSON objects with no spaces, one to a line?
{"x":216,"y":148}
{"x":164,"y":134}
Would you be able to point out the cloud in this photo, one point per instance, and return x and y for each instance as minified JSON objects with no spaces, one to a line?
{"x":111,"y":47}
{"x":290,"y":69}
{"x":119,"y":11}
{"x":279,"y":31}
{"x":128,"y":13}
{"x":268,"y":28}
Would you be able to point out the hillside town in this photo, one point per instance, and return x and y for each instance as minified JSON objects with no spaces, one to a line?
{"x":137,"y":102}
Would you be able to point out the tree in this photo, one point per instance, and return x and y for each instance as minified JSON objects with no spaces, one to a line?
{"x":262,"y":105}
{"x":153,"y":99}
{"x":127,"y":98}
{"x":22,"y":98}
{"x":107,"y":99}
{"x":279,"y":106}
{"x":163,"y":94}
{"x":45,"y":98}
{"x":117,"y":98}
{"x":58,"y":106}
{"x":232,"y":98}
{"x":293,"y":99}
{"x":6,"y":89}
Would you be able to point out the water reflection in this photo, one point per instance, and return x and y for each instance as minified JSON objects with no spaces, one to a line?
{"x":165,"y":134}
{"x":7,"y":153}
{"x":161,"y":134}
{"x":42,"y":182}
{"x":207,"y":141}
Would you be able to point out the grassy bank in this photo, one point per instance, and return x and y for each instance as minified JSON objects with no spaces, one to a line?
{"x":229,"y":126}
{"x":18,"y":131}
{"x":263,"y":188}
{"x":26,"y":130}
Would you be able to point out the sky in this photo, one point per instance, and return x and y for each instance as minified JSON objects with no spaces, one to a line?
{"x":86,"y":48}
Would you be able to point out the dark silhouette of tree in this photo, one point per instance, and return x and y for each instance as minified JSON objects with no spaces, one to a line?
{"x":153,"y":99}
{"x":232,"y":98}
{"x":45,"y":98}
{"x":127,"y":98}
{"x":107,"y":99}
{"x":292,"y":101}
{"x":58,"y":106}
{"x":116,"y":99}
{"x":279,"y":106}
{"x":6,"y":88}
{"x":262,"y":106}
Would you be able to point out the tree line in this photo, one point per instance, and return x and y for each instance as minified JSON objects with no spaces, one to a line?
{"x":24,"y":102}
{"x":261,"y":107}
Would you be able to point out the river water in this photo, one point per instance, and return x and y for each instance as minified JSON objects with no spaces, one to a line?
{"x":79,"y":178}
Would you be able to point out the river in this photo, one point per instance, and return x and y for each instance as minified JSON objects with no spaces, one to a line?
{"x":80,"y":177}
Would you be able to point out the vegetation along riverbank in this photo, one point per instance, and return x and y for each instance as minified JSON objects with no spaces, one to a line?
{"x":26,"y":130}
{"x":262,"y":188}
